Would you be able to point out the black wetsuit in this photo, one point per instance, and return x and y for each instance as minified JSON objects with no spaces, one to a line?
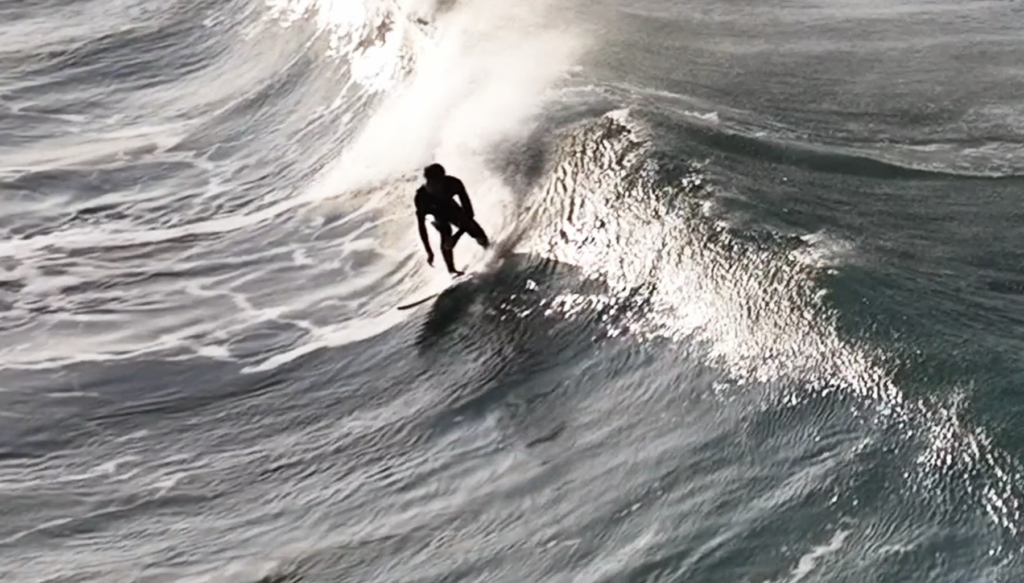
{"x":446,"y":212}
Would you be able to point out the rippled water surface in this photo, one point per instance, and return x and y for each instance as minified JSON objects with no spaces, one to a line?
{"x":753,"y":313}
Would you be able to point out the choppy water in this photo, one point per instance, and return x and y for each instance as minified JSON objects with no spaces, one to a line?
{"x":757,"y":314}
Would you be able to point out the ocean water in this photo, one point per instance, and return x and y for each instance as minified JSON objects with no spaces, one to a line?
{"x":755,"y":311}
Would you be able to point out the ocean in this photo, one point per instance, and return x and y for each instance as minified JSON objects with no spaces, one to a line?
{"x":754,"y":312}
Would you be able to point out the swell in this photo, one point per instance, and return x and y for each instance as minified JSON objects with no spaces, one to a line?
{"x":844,"y":160}
{"x":803,"y":156}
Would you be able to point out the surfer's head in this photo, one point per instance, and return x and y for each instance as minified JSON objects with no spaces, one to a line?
{"x":433,"y":172}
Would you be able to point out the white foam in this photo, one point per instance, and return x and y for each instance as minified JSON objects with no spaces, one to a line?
{"x":332,"y":337}
{"x":73,"y":150}
{"x":374,"y":36}
{"x":214,"y":352}
{"x":710,"y":116}
{"x":101,"y":236}
{"x":809,"y":561}
{"x":824,"y":249}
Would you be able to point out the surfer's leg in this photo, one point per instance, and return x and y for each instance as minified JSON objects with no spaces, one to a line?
{"x":469,"y":225}
{"x":449,"y":261}
{"x":458,"y":235}
{"x":477,"y":232}
{"x":447,"y":246}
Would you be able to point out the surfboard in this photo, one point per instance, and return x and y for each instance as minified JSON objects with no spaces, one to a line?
{"x":455,"y":281}
{"x":418,"y":302}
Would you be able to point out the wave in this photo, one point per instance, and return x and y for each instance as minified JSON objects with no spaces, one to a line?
{"x":612,"y":206}
{"x":252,"y":229}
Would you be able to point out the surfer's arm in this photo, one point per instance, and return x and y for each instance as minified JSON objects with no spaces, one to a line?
{"x":421,"y":219}
{"x":421,"y":222}
{"x":460,"y":189}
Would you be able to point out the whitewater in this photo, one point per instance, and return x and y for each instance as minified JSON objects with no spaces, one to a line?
{"x":753,"y":313}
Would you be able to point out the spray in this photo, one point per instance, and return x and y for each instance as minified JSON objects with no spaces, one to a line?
{"x":479,"y":81}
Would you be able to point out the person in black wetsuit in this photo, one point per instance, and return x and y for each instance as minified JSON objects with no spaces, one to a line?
{"x":436,"y":198}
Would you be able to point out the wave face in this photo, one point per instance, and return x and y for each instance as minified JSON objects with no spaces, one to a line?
{"x":753,"y":312}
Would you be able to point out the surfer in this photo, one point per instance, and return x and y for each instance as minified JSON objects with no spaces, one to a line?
{"x":436,"y":198}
